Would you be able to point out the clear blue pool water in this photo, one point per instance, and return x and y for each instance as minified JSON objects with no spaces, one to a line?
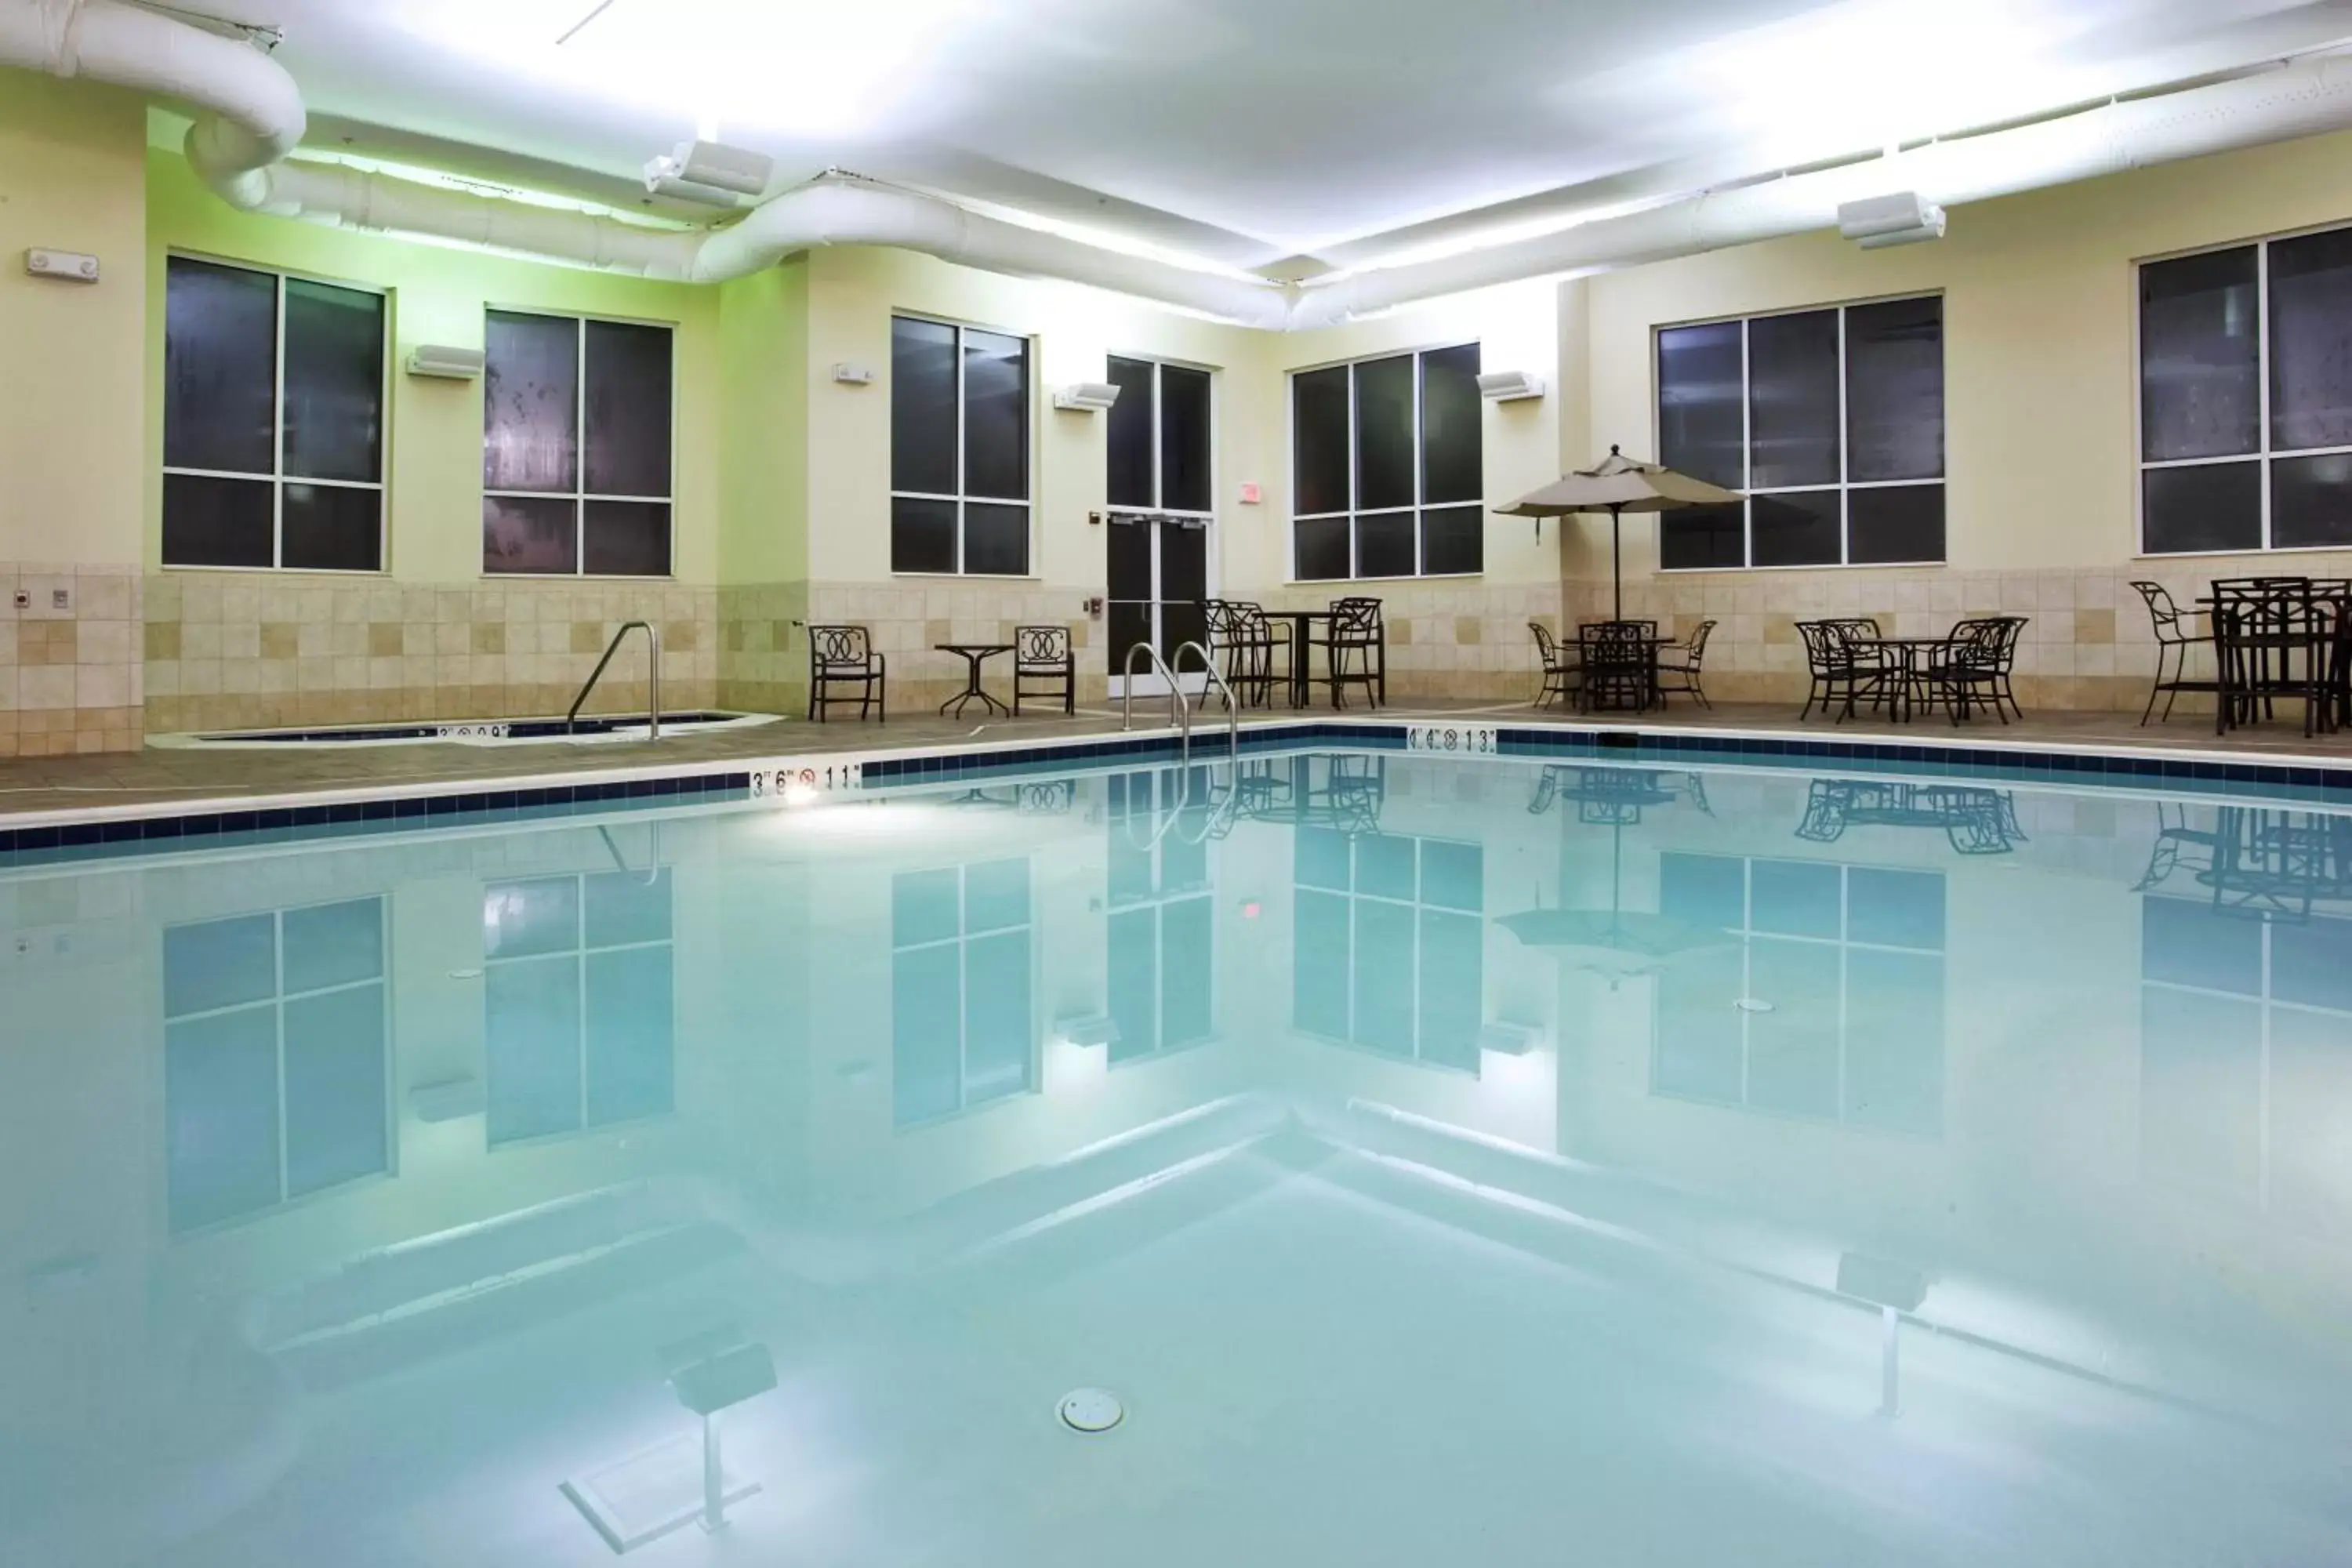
{"x":1443,"y":1162}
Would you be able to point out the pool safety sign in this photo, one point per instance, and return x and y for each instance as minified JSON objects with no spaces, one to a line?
{"x":1463,"y":739}
{"x":790,"y":780}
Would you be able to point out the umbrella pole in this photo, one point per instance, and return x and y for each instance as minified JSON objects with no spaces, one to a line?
{"x":1617,"y":562}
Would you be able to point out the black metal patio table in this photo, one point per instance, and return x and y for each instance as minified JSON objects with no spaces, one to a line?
{"x":1901,"y":664}
{"x":974,"y":656}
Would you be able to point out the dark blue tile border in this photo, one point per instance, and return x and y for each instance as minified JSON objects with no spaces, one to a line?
{"x":473,"y":802}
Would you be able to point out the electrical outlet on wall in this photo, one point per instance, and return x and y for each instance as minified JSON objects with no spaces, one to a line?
{"x":61,"y":599}
{"x":24,"y":598}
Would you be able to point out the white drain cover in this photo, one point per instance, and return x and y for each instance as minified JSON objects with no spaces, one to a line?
{"x":1753,"y":1004}
{"x":1091,"y":1410}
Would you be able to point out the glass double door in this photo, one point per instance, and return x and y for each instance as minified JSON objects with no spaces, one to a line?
{"x":1158,"y":576}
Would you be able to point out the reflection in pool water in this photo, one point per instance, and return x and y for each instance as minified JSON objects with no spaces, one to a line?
{"x":1439,"y":1158}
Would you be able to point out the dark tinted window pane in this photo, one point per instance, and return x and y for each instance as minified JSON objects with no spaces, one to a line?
{"x":922,"y":406}
{"x":1895,"y":390}
{"x":1318,"y":965}
{"x":995,"y":415}
{"x":215,"y":522}
{"x":2312,"y":963}
{"x":1895,"y":909}
{"x":1699,"y":420}
{"x":1384,"y":436}
{"x":335,"y":381}
{"x":334,"y":528}
{"x":1904,"y":524}
{"x":996,"y":540}
{"x":1793,"y":1052}
{"x":995,"y":896}
{"x":1453,"y":461}
{"x":1385,"y":545}
{"x":220,"y":1116}
{"x":1795,"y":898}
{"x":220,"y":367}
{"x":334,"y":945}
{"x":1388,"y":866}
{"x":335,"y":1091}
{"x":1319,"y":420}
{"x":531,"y":388}
{"x":630,"y":1017}
{"x":2199,"y":391}
{"x":1184,"y":565}
{"x":1703,"y":889}
{"x":530,"y":1043}
{"x":628,"y":409}
{"x":1383,"y":990}
{"x":2212,"y":506}
{"x":2188,"y":943}
{"x":529,"y":534}
{"x":1320,"y":857}
{"x":1792,"y":374}
{"x":1698,"y":536}
{"x":522,"y":918}
{"x":627,"y":539}
{"x":922,"y":535}
{"x":219,"y":964}
{"x":1127,"y":437}
{"x":1185,"y":440}
{"x":997,"y":1035}
{"x":1453,"y":876}
{"x":618,"y":908}
{"x":1453,"y":538}
{"x":925,"y":907}
{"x":2311,"y":500}
{"x":1799,"y":530}
{"x":1322,"y":549}
{"x":2311,"y":341}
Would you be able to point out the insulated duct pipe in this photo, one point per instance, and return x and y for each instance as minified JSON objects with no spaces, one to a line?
{"x":250,"y":115}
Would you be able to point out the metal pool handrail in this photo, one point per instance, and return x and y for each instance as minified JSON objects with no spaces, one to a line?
{"x":1180,"y":712}
{"x":1232,"y":709}
{"x":653,"y":680}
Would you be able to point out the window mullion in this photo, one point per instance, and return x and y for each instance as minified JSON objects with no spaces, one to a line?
{"x":1420,"y":480}
{"x":580,"y":469}
{"x":277,"y":446}
{"x":1747,"y":464}
{"x":1355,"y":501}
{"x":1845,"y":472}
{"x":2263,"y":380}
{"x":959,"y":485}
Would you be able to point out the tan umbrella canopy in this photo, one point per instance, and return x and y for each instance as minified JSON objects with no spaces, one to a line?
{"x":1617,"y":484}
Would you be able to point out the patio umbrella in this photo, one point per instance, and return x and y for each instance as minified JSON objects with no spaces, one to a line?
{"x":1617,"y":484}
{"x":1615,"y":942}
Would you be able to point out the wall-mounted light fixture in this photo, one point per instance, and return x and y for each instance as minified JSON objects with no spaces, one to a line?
{"x":1509,"y":385}
{"x":1903,"y":218}
{"x":1087,"y":396}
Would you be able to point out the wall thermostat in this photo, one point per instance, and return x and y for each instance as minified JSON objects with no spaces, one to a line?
{"x":68,"y":265}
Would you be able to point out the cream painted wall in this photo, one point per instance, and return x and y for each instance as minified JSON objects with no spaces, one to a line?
{"x":1518,"y":328}
{"x":2039,"y":360}
{"x":852,"y":293}
{"x":438,"y":295}
{"x":72,"y":177}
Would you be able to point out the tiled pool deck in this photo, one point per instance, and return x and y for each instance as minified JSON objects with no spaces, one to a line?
{"x":46,"y":790}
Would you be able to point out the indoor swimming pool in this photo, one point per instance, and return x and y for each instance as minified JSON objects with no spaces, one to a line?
{"x":1511,"y":1160}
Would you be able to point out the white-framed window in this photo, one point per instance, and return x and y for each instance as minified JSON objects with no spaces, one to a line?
{"x":1832,"y":420}
{"x":577,"y":425}
{"x":1388,"y":467}
{"x":276,"y":1058}
{"x":579,"y":1003}
{"x":2245,"y":1002}
{"x":1388,"y":951}
{"x":2245,"y":397}
{"x":274,"y":399}
{"x":1826,"y":1002}
{"x":962,"y":1030}
{"x":1159,"y":933}
{"x":960,"y":436}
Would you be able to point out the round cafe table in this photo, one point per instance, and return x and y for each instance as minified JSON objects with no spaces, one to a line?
{"x":974,"y":655}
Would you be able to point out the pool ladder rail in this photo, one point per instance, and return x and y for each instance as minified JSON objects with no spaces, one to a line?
{"x":1179,"y":712}
{"x":652,"y":678}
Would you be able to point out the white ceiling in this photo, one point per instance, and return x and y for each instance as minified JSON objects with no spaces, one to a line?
{"x":1245,"y":131}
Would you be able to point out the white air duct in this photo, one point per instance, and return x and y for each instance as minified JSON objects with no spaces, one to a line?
{"x":249,"y":115}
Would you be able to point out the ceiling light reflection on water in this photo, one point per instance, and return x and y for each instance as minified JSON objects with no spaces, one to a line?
{"x":325,"y":1252}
